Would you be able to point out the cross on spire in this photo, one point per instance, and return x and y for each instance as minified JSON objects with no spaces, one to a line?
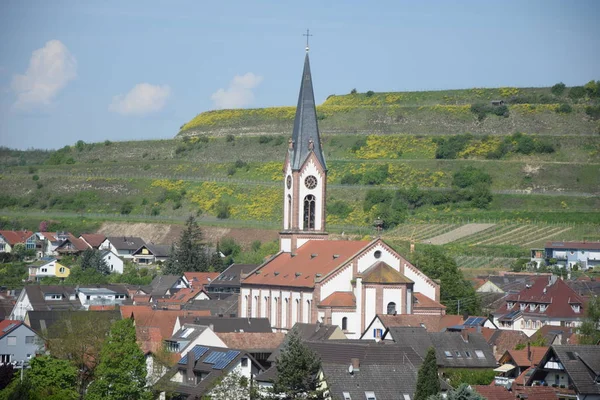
{"x":307,"y":34}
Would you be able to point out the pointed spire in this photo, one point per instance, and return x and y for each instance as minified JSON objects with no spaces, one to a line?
{"x":306,"y":138}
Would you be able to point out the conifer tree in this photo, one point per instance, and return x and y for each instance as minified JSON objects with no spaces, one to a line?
{"x":189,"y":254}
{"x":428,"y":382}
{"x":121,"y":373}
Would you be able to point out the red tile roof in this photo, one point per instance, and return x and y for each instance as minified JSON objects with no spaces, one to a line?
{"x":102,"y":308}
{"x":182,"y":296}
{"x":424,"y":302}
{"x":558,"y":297}
{"x":573,"y":245}
{"x":201,"y":278}
{"x":252,"y":341}
{"x":520,"y":357}
{"x":93,"y":239}
{"x":501,"y":339}
{"x":493,"y":392}
{"x":300,"y":269}
{"x":79,"y":244}
{"x":536,"y":392}
{"x":432,"y":323}
{"x":4,"y":324}
{"x":162,"y":319}
{"x":14,"y":237}
{"x":339,"y":299}
{"x":51,"y":236}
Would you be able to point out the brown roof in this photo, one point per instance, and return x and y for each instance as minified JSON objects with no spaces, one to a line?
{"x":520,"y":357}
{"x":200,"y":278}
{"x":380,"y":272}
{"x":51,"y":236}
{"x":162,"y":319}
{"x":252,"y":341}
{"x":93,"y":239}
{"x":492,"y":392}
{"x":102,"y":307}
{"x":300,"y":269}
{"x":422,"y":302}
{"x":432,"y":323}
{"x":550,"y":332}
{"x":77,"y":243}
{"x":182,"y":296}
{"x":573,"y":245}
{"x":14,"y":237}
{"x":149,"y":338}
{"x":339,"y":299}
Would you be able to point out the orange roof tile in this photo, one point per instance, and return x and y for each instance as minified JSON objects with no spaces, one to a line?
{"x":202,"y":278}
{"x":432,"y":323}
{"x":536,"y":392}
{"x":312,"y":258}
{"x":162,"y":319}
{"x":93,"y":239}
{"x":493,"y":392}
{"x":423,"y":301}
{"x":14,"y":237}
{"x":521,"y":359}
{"x":252,"y":341}
{"x":339,"y":299}
{"x":102,"y":307}
{"x":380,"y":273}
{"x":182,"y":296}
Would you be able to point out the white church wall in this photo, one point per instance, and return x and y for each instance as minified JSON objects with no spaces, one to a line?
{"x":287,"y":192}
{"x":311,"y":169}
{"x":244,"y":296}
{"x":285,"y":244}
{"x":300,"y":242}
{"x":339,"y":283}
{"x":285,"y":304}
{"x":368,"y":259}
{"x":392,"y":295}
{"x":370,"y":304}
{"x":337,"y":319}
{"x":421,"y":284}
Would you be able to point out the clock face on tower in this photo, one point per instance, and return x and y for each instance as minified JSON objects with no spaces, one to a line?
{"x":310,"y":182}
{"x":288,"y":181}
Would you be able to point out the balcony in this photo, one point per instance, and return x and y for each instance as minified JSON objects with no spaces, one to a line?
{"x":503,"y":381}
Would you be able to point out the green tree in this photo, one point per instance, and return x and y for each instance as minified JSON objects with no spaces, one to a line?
{"x":428,"y":382}
{"x":455,"y":291}
{"x":558,"y":89}
{"x":190,"y":253}
{"x":297,"y":371}
{"x":463,"y":392}
{"x":589,"y":331}
{"x":53,"y":378}
{"x":92,"y":259}
{"x":121,"y":374}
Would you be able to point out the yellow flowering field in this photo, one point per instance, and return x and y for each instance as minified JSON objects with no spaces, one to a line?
{"x":379,"y":146}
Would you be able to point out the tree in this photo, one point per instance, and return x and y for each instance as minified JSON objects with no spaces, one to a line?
{"x":190,"y":253}
{"x":78,"y":337}
{"x":121,"y":373}
{"x":589,"y":331}
{"x":297,"y":371}
{"x":455,"y":291}
{"x":232,"y":386}
{"x":558,"y":89}
{"x":428,"y":382}
{"x":92,"y":259}
{"x":463,"y":392}
{"x":7,"y":372}
{"x":53,"y":378}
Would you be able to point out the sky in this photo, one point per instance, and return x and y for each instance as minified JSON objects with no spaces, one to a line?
{"x":133,"y":70}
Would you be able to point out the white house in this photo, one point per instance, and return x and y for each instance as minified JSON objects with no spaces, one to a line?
{"x":113,"y":261}
{"x":47,"y":267}
{"x":123,"y":246}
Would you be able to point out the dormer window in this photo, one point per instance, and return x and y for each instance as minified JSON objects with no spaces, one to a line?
{"x":543,"y":307}
{"x":576,"y":308}
{"x":532,"y":307}
{"x":523,"y":306}
{"x":509,"y":305}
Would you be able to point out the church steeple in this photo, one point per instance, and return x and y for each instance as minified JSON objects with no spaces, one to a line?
{"x":306,"y":137}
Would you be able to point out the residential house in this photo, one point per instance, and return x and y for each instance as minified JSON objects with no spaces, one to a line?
{"x":198,"y":373}
{"x":548,"y":301}
{"x":18,"y":342}
{"x":431,"y":323}
{"x":72,"y":246}
{"x":42,"y":321}
{"x":107,"y":295}
{"x":555,"y":335}
{"x":94,"y":240}
{"x":423,"y":305}
{"x":514,"y":362}
{"x":8,"y":239}
{"x":260,"y":345}
{"x":218,"y":304}
{"x":200,"y":280}
{"x":569,"y":254}
{"x":453,"y":349}
{"x":230,"y":280}
{"x":150,"y":253}
{"x":167,"y":285}
{"x":500,"y":340}
{"x":190,"y":335}
{"x":180,"y":298}
{"x":123,"y":246}
{"x":573,"y":370}
{"x":47,"y":267}
{"x":516,"y":393}
{"x":113,"y":261}
{"x":49,"y":241}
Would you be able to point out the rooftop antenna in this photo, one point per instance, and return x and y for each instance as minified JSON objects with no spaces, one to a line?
{"x":307,"y":34}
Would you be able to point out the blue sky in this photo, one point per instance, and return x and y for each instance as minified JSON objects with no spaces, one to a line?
{"x":128,"y":70}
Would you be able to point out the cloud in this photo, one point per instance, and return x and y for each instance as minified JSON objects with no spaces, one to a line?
{"x":144,"y":98}
{"x":50,"y":69}
{"x":239,"y":93}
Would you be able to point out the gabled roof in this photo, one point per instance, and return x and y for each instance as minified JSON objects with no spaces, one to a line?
{"x":503,"y":340}
{"x":224,"y":304}
{"x":93,"y":239}
{"x":78,"y":244}
{"x":314,"y":332}
{"x":527,"y":357}
{"x":182,"y":296}
{"x":339,"y":299}
{"x":573,"y":245}
{"x":126,"y":242}
{"x":36,"y":295}
{"x":382,"y":273}
{"x":232,"y":275}
{"x":492,"y":392}
{"x":550,"y":333}
{"x":306,"y":127}
{"x":199,"y":279}
{"x":162,"y":283}
{"x":163,"y":319}
{"x":14,"y":237}
{"x":7,"y":326}
{"x":42,"y":321}
{"x":314,"y":259}
{"x":253,"y":342}
{"x":220,"y":324}
{"x":157,"y":250}
{"x":432,"y":323}
{"x":422,"y":302}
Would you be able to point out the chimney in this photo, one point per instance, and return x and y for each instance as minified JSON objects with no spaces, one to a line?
{"x":465,"y":335}
{"x":355,"y":364}
{"x":190,"y":367}
{"x":528,"y":351}
{"x":212,"y":327}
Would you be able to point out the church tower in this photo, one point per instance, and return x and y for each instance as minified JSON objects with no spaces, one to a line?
{"x":305,"y":174}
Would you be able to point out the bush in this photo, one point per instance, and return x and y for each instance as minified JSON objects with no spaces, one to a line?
{"x":564,"y":108}
{"x":558,"y":89}
{"x":70,"y":160}
{"x":470,"y":176}
{"x":263,"y":139}
{"x":80,"y":145}
{"x":155,"y":211}
{"x":339,"y":208}
{"x":353,"y":91}
{"x":223,"y":209}
{"x":376,"y":176}
{"x":231,"y":170}
{"x":448,"y":148}
{"x":370,"y":93}
{"x":146,"y":167}
{"x":481,"y":110}
{"x":593,"y":112}
{"x":126,"y":207}
{"x":577,"y":92}
{"x":351,"y":179}
{"x":239,"y":164}
{"x":279,"y":140}
{"x":35,"y":177}
{"x":229,"y":138}
{"x":32,"y":170}
{"x":358,"y":144}
{"x":107,"y":142}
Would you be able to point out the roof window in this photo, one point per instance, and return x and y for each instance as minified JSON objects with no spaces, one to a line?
{"x":479,"y":354}
{"x":448,"y":354}
{"x":370,"y":396}
{"x":347,"y":396}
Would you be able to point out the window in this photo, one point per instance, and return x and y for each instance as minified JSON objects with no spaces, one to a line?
{"x":2,"y":246}
{"x":344,"y":323}
{"x":377,"y":333}
{"x":347,"y":396}
{"x":12,"y":341}
{"x":244,"y":362}
{"x":479,"y":354}
{"x":543,"y":307}
{"x":468,"y":354}
{"x":28,"y":339}
{"x":61,"y":270}
{"x":448,"y":354}
{"x":44,"y":269}
{"x":5,"y":358}
{"x":391,"y":308}
{"x":377,"y":254}
{"x":309,"y":212}
{"x":370,"y":396}
{"x":29,"y":356}
{"x":457,"y":354}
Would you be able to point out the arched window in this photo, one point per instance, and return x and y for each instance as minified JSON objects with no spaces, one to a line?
{"x":391,"y":308}
{"x":289,"y":212}
{"x":308,"y":311}
{"x":309,"y":212}
{"x":345,"y":323}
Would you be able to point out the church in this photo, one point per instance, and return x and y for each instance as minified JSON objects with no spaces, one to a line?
{"x":314,"y":279}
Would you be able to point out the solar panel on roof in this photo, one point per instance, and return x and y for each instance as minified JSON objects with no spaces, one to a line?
{"x":226,"y":359}
{"x":197,"y":351}
{"x":9,"y":327}
{"x":214,"y":357}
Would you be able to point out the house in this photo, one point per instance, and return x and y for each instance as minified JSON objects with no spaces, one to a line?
{"x":218,"y":304}
{"x":72,"y":246}
{"x":431,"y":323}
{"x":314,"y":279}
{"x":8,"y":239}
{"x":50,"y":241}
{"x":585,"y":255}
{"x":180,"y":298}
{"x":198,"y":373}
{"x":423,"y":305}
{"x":166,"y":285}
{"x":230,"y":280}
{"x":123,"y":246}
{"x":18,"y":342}
{"x":548,"y":301}
{"x":42,"y":321}
{"x":501,"y":340}
{"x":114,"y":263}
{"x":151,"y":253}
{"x":453,"y":349}
{"x":47,"y":267}
{"x":554,"y":335}
{"x":94,"y":240}
{"x":200,"y":280}
{"x":220,"y":324}
{"x":102,"y":295}
{"x":514,"y":362}
{"x":572,"y":370}
{"x":491,"y":392}
{"x":260,"y":345}
{"x":190,"y":335}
